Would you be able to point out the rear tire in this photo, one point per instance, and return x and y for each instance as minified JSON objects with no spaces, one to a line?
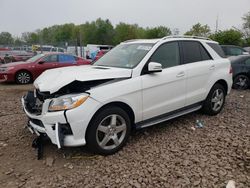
{"x":108,"y":131}
{"x":23,"y":77}
{"x":241,"y":82}
{"x":215,"y":100}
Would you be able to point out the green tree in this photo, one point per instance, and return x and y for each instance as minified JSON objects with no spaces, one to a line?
{"x":104,"y":31}
{"x":30,"y":37}
{"x":125,"y":32}
{"x":157,"y":32}
{"x":230,"y":36}
{"x":246,"y":24}
{"x":18,"y":41}
{"x":246,"y":28}
{"x":6,"y":38}
{"x":199,"y":30}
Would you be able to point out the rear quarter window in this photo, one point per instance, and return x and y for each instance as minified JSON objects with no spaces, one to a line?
{"x":217,"y":48}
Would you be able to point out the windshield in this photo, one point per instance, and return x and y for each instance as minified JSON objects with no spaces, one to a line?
{"x":35,"y":58}
{"x":125,"y":55}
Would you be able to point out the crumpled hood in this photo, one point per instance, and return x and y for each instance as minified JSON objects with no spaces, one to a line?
{"x":54,"y":79}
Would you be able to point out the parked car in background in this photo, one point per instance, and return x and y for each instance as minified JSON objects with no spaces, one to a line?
{"x":42,"y":48}
{"x":247,"y":49}
{"x":100,"y":54}
{"x":27,"y":71}
{"x":57,"y":49}
{"x":14,"y":56}
{"x":231,"y":50}
{"x":137,"y":84}
{"x":92,"y":50}
{"x":241,"y":72}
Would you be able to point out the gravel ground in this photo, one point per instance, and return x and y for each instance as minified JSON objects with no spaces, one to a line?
{"x":171,"y":154}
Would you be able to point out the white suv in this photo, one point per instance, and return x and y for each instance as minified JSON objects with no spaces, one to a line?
{"x":137,"y":84}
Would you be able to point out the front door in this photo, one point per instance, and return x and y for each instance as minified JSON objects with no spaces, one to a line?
{"x":164,"y":91}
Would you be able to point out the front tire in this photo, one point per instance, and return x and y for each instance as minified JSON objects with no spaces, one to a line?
{"x":109,"y":130}
{"x":241,"y":82}
{"x":23,"y":77}
{"x":215,"y":100}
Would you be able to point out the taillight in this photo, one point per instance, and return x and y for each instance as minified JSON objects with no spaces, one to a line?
{"x":231,"y":70}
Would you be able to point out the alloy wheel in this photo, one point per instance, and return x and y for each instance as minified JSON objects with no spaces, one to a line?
{"x":241,"y":82}
{"x":111,"y":132}
{"x":217,"y":100}
{"x":23,"y":77}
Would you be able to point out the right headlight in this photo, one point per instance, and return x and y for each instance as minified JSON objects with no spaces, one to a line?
{"x":67,"y":102}
{"x":5,"y":69}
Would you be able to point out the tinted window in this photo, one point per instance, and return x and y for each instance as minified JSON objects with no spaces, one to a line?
{"x":234,"y":51}
{"x":204,"y":54}
{"x":217,"y":49}
{"x":191,"y":52}
{"x":50,"y":58}
{"x":167,"y":55}
{"x":66,"y":59}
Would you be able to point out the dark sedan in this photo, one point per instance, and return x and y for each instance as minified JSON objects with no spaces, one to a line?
{"x":241,"y":72}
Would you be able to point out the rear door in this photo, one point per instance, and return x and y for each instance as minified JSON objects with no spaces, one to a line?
{"x":247,"y":68}
{"x":199,"y":67}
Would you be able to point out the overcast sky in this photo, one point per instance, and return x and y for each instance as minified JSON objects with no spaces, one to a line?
{"x":18,"y":16}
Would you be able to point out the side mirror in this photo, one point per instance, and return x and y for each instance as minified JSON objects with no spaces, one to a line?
{"x":245,"y":53}
{"x":41,"y":62}
{"x":154,"y":67}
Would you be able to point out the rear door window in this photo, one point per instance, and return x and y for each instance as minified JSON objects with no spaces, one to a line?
{"x":193,"y":52}
{"x":66,"y":58}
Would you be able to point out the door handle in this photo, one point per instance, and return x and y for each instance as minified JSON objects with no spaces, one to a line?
{"x":212,"y":67}
{"x":180,"y":74}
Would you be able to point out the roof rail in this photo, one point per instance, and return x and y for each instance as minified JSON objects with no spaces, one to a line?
{"x":185,"y":36}
{"x":131,"y":40}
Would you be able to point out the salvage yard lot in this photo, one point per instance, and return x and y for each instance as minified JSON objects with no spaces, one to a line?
{"x":171,"y":154}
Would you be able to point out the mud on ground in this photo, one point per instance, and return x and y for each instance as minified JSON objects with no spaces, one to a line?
{"x":171,"y":154}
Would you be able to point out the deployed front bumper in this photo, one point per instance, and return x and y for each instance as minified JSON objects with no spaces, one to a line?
{"x":64,"y":128}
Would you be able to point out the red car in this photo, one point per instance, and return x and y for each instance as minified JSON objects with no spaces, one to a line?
{"x":27,"y":71}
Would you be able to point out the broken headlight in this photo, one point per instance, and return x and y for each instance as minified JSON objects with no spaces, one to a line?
{"x":67,"y":102}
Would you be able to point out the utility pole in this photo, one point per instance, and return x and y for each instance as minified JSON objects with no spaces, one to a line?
{"x":176,"y":31}
{"x":80,"y":36}
{"x":217,"y":24}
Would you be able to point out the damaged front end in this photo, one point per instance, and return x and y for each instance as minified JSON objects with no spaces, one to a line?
{"x":45,"y":121}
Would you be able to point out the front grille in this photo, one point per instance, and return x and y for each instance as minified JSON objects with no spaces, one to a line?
{"x":37,"y":122}
{"x":33,"y":104}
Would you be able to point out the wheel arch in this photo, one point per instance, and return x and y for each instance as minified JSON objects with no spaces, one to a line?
{"x":223,"y":83}
{"x":24,"y":70}
{"x":241,"y":73}
{"x":120,"y":104}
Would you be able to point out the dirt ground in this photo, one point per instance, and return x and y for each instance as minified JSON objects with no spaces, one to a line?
{"x":171,"y":154}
